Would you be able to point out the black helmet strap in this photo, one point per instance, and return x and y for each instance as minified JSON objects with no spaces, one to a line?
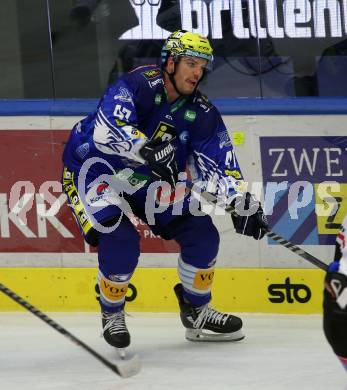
{"x":172,"y":78}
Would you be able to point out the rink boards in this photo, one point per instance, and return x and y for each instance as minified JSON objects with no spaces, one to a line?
{"x":43,"y":256}
{"x":234,"y":290}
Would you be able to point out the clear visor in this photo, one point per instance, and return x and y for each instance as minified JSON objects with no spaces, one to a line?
{"x":208,"y":57}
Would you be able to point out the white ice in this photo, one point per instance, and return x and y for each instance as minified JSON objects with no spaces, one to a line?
{"x":279,"y":352}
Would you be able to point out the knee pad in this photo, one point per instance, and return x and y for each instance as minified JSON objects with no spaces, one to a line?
{"x":335,"y":313}
{"x":196,"y":282}
{"x":199,"y":241}
{"x":113,"y":290}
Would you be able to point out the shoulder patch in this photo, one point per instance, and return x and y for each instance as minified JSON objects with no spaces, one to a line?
{"x":203,"y":102}
{"x":224,"y":139}
{"x":153,"y":77}
{"x":151,"y":74}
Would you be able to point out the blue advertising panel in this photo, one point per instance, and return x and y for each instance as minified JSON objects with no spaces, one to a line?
{"x":305,"y":181}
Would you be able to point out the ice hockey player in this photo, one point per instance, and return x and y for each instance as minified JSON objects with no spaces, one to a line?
{"x":335,"y":298}
{"x":155,"y":121}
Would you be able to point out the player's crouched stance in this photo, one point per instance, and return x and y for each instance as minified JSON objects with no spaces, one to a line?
{"x":335,"y":299}
{"x":152,"y":123}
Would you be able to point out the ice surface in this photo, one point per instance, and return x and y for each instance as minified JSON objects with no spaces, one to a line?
{"x":279,"y":352}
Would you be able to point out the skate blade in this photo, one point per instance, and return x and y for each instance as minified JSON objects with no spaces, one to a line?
{"x":128,"y":368}
{"x":199,"y":335}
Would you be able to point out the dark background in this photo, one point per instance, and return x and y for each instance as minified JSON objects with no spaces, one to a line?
{"x":70,"y":48}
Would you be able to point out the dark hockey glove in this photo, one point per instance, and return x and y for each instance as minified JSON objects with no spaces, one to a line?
{"x":335,"y":313}
{"x":251,"y":220}
{"x":161,"y":158}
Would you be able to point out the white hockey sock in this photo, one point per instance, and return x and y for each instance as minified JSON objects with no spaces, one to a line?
{"x":112,"y":292}
{"x":197,"y":281}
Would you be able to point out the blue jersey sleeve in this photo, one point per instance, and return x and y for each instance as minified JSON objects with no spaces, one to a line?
{"x":213,"y":158}
{"x":115,"y":130}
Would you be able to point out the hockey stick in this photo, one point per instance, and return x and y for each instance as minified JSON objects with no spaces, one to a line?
{"x":210,"y":198}
{"x":126,"y":369}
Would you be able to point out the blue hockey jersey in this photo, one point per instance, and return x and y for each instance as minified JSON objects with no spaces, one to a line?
{"x":135,"y":109}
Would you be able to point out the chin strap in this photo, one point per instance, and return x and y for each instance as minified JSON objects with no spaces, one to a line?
{"x":172,"y":79}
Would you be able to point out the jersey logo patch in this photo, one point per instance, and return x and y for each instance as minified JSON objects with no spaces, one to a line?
{"x":154,"y":83}
{"x":151,"y":74}
{"x":164,"y":132}
{"x":204,"y":103}
{"x":190,"y":115}
{"x":233,"y":173}
{"x":124,"y":95}
{"x":184,"y":137}
{"x":157,"y":99}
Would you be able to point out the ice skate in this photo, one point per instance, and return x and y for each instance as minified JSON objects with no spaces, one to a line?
{"x":203,"y":323}
{"x":115,"y":331}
